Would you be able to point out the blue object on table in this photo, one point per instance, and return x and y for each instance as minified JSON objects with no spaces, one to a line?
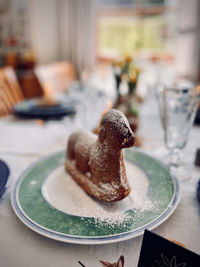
{"x":157,"y":251}
{"x":198,"y":190}
{"x":197,"y":118}
{"x":4,"y":174}
{"x":32,"y":110}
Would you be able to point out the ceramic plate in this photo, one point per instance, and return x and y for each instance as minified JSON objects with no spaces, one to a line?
{"x":31,"y":109}
{"x":4,"y":174}
{"x":197,"y":117}
{"x":48,"y":201}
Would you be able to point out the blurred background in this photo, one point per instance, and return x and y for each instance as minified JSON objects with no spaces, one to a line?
{"x":92,"y":31}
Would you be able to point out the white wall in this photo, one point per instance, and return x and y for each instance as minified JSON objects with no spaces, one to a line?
{"x":187,"y":49}
{"x":63,"y":30}
{"x":44,"y":27}
{"x":77,"y":20}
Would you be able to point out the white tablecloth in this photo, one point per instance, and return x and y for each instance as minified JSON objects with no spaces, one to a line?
{"x":24,"y":142}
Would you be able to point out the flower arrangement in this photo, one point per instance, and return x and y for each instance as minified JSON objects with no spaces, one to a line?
{"x":126,"y":70}
{"x":129,"y":103}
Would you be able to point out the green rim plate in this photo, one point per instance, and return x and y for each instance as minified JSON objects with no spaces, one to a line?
{"x":35,"y":212}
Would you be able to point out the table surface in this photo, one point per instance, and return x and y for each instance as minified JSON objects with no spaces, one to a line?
{"x":23,"y":142}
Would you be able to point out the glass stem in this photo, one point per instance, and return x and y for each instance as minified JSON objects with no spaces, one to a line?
{"x":174,"y":157}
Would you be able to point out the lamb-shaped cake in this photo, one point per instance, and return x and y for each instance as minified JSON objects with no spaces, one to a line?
{"x":96,"y":163}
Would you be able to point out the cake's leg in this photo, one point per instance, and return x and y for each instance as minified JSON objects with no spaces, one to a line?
{"x":70,"y":152}
{"x":71,"y":147}
{"x":82,"y":160}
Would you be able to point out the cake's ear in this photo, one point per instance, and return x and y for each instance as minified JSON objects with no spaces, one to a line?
{"x":102,"y":134}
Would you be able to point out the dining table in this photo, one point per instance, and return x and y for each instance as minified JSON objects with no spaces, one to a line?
{"x":24,"y":142}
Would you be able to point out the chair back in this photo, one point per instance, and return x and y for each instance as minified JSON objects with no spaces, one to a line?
{"x":56,"y":76}
{"x":10,"y":91}
{"x":12,"y":81}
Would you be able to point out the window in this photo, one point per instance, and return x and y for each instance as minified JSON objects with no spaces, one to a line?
{"x":135,"y":26}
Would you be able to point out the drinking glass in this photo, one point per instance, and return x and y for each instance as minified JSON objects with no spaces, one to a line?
{"x":177,"y":107}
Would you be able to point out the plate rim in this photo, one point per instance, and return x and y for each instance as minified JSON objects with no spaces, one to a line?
{"x":62,"y":110}
{"x":86,"y":240}
{"x":6,"y":178}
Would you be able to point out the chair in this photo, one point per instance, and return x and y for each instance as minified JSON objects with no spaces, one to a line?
{"x":65,"y":72}
{"x":13,"y":84}
{"x":10,"y":91}
{"x":55,"y":77}
{"x":6,"y":98}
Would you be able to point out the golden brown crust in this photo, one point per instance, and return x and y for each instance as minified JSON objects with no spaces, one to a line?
{"x":97,"y":163}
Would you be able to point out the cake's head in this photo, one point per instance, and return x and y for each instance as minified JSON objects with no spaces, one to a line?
{"x":115,"y":130}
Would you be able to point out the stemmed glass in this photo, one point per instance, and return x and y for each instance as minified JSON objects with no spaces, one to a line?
{"x":177,"y":107}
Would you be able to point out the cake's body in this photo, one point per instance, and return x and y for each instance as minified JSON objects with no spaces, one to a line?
{"x":96,"y":162}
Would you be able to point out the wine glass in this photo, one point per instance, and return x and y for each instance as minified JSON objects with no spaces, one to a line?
{"x":177,"y":106}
